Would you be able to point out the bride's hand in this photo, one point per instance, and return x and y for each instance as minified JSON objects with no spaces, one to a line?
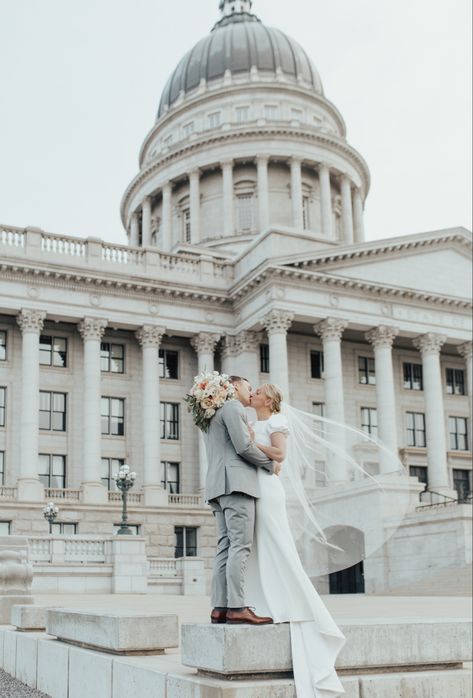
{"x":277,"y":467}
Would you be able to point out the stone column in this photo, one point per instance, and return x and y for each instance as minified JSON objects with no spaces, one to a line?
{"x":149,"y":337}
{"x":331,"y":331}
{"x":382,"y":339}
{"x":230,"y":349}
{"x":247,"y":361}
{"x":466,"y":350}
{"x":263,"y":191}
{"x":326,"y":200}
{"x":134,"y":230}
{"x":296,"y":193}
{"x":429,"y":345}
{"x":204,"y":344}
{"x":347,"y":211}
{"x":166,"y":218}
{"x":29,"y":486}
{"x":358,"y":224}
{"x":93,"y":491}
{"x":228,"y":205}
{"x":277,"y":324}
{"x":194,"y":181}
{"x":146,"y":222}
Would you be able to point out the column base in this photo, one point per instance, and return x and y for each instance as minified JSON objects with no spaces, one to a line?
{"x":93,"y":493}
{"x":154,"y":496}
{"x":30,"y":489}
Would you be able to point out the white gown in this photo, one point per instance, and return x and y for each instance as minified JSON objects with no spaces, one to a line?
{"x":277,"y":585}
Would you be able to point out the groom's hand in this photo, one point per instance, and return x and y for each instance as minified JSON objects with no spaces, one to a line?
{"x":277,"y":467}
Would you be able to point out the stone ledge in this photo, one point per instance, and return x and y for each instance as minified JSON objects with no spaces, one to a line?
{"x":29,"y":618}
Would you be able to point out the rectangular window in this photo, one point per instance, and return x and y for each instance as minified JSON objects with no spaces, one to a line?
{"x":366,"y":371}
{"x":170,"y":477}
{"x":109,"y":468}
{"x":369,"y":420}
{"x":455,"y":381}
{"x":415,"y":424}
{"x":271,"y":112}
{"x":318,"y":408}
{"x":462,"y":483}
{"x":112,"y":358}
{"x":413,"y":376}
{"x":2,"y":467}
{"x":113,"y":416}
{"x":170,"y":421}
{"x":316,"y":364}
{"x":5,"y":528}
{"x":188,"y":129}
{"x":421,"y":473}
{"x":186,"y":222}
{"x":242,"y":114}
{"x":53,"y":351}
{"x":214,"y":119}
{"x":264,"y":358}
{"x":458,"y":429}
{"x":3,"y":345}
{"x":168,"y":364}
{"x":52,"y":470}
{"x":297,"y":114}
{"x":52,"y":411}
{"x":61,"y":528}
{"x":305,"y":212}
{"x":245,"y":211}
{"x":3,"y":406}
{"x":186,"y":541}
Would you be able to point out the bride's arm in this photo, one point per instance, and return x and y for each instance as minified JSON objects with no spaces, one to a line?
{"x":278,"y":448}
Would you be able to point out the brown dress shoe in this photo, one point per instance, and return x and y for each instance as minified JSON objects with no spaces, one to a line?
{"x":246,"y":617}
{"x":218,"y":617}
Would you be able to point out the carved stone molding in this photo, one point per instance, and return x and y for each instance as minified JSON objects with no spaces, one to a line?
{"x":382,"y":336}
{"x":429,"y":343}
{"x":230,"y":346}
{"x":31,"y":320}
{"x":150,"y":335}
{"x":205,"y":342}
{"x":466,"y":350}
{"x":92,"y":328}
{"x":277,"y":321}
{"x":331,"y":328}
{"x":248,"y":340}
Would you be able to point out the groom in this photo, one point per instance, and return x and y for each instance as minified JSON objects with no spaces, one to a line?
{"x":232,"y":490}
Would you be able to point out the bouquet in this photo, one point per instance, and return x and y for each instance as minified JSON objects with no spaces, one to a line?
{"x":209,"y":392}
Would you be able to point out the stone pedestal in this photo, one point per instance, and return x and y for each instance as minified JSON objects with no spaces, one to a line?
{"x":130,"y":565}
{"x":30,"y":490}
{"x":154,"y":496}
{"x":192,"y":570}
{"x":16,"y":575}
{"x":28,"y":618}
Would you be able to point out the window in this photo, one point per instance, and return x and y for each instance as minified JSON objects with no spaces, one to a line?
{"x":53,"y":351}
{"x":3,"y":345}
{"x":188,"y":129}
{"x":455,"y":381}
{"x":2,"y":467}
{"x":52,"y":411}
{"x":270,"y":112}
{"x":462,"y":483}
{"x":113,"y":416}
{"x":5,"y":528}
{"x":413,"y":376}
{"x":245,"y":211}
{"x":214,"y":119}
{"x":135,"y":528}
{"x":170,"y":421}
{"x":264,"y":358}
{"x":366,"y":371}
{"x":112,"y":358}
{"x":318,"y":408}
{"x":61,"y":528}
{"x":109,"y":468}
{"x":170,"y":478}
{"x":305,"y":212}
{"x":297,"y":114}
{"x":52,"y":470}
{"x":242,"y":114}
{"x":415,"y":422}
{"x":369,"y":420}
{"x":421,"y":473}
{"x":186,"y":541}
{"x":168,"y":364}
{"x":186,"y":223}
{"x":3,"y":405}
{"x":458,"y":429}
{"x":317,"y":364}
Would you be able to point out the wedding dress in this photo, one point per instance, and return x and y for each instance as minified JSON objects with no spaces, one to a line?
{"x":277,"y":585}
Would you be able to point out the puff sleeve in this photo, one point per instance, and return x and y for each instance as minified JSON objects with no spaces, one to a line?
{"x":278,"y":423}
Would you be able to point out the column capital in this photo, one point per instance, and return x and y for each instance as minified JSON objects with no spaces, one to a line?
{"x":466,"y":350}
{"x":324,"y":166}
{"x":248,"y":340}
{"x":205,"y":342}
{"x":429,"y":343}
{"x":92,"y":328}
{"x":150,"y":335}
{"x":382,"y":336}
{"x":262,"y":158}
{"x":230,"y":346}
{"x":227,"y":163}
{"x":295,"y":161}
{"x":277,"y":321}
{"x":31,"y":320}
{"x":195,"y":173}
{"x":331,"y":328}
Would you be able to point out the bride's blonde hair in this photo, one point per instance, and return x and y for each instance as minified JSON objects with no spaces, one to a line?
{"x":272,"y":392}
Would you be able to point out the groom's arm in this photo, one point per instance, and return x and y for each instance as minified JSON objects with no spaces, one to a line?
{"x":237,"y":427}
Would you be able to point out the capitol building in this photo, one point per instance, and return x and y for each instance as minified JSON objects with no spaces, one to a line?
{"x":244,"y":251}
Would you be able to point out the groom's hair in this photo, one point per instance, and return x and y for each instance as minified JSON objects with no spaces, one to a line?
{"x":237,"y":379}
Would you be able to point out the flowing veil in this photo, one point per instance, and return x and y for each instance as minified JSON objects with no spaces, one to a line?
{"x":346,"y":493}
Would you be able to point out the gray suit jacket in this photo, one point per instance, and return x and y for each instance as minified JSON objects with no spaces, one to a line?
{"x":232,"y":457}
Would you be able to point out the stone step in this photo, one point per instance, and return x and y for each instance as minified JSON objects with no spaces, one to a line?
{"x":236,"y":650}
{"x":451,"y":581}
{"x":115,"y":631}
{"x":29,"y":618}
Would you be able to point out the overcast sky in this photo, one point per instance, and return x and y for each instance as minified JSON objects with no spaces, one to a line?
{"x":81,"y":80}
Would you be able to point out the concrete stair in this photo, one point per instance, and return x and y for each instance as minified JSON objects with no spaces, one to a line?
{"x":451,"y":581}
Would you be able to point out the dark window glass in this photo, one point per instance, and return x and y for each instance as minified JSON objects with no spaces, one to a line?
{"x":2,"y":467}
{"x":264,"y":358}
{"x":317,"y":364}
{"x":53,"y":351}
{"x":3,"y":404}
{"x":421,"y":473}
{"x":170,"y":477}
{"x":52,"y":411}
{"x":462,"y":483}
{"x":112,"y":358}
{"x":52,"y":470}
{"x":369,"y":420}
{"x":113,"y":416}
{"x":413,"y":376}
{"x":458,"y":429}
{"x":186,"y":541}
{"x":61,"y":528}
{"x":366,"y":371}
{"x":170,"y":421}
{"x":455,"y":381}
{"x":109,"y":468}
{"x":168,"y":364}
{"x":3,"y":345}
{"x":415,"y":424}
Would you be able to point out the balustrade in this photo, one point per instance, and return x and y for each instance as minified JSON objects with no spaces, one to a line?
{"x":162,"y":567}
{"x":8,"y":492}
{"x":57,"y":493}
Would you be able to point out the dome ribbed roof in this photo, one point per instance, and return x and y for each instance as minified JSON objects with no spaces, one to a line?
{"x":237,"y":43}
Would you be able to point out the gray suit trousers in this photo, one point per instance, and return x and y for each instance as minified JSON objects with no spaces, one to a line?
{"x":235,"y":518}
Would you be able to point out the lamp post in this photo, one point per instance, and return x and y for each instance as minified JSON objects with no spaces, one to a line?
{"x":50,"y":513}
{"x":125,"y":481}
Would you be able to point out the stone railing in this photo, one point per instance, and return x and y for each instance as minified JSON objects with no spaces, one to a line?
{"x":58,"y":493}
{"x":190,"y":500}
{"x":162,"y":567}
{"x":133,"y":497}
{"x":8,"y":492}
{"x":62,"y":549}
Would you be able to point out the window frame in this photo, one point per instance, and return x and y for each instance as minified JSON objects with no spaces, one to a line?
{"x":52,"y":351}
{"x":2,"y":468}
{"x":163,"y":351}
{"x":3,"y":346}
{"x":52,"y":394}
{"x":108,"y":481}
{"x":453,"y":383}
{"x":367,"y":371}
{"x":245,"y":211}
{"x":313,"y":353}
{"x":455,"y":480}
{"x":369,"y":426}
{"x":414,"y":430}
{"x":110,"y":359}
{"x":3,"y":405}
{"x":50,"y":475}
{"x":111,"y":416}
{"x":424,"y":470}
{"x":185,"y":546}
{"x":8,"y":523}
{"x":171,"y":486}
{"x":165,"y":421}
{"x":454,"y":444}
{"x":210,"y":116}
{"x":411,"y":379}
{"x":241,"y":109}
{"x":188,"y":129}
{"x":272,"y":109}
{"x":264,"y":358}
{"x":61,"y":525}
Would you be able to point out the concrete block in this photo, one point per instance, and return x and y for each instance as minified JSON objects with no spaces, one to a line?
{"x":9,"y":652}
{"x":114,"y":631}
{"x":7,"y":603}
{"x":132,"y":679}
{"x":453,"y":683}
{"x":26,"y":659}
{"x":52,"y":653}
{"x":90,"y":674}
{"x":28,"y":617}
